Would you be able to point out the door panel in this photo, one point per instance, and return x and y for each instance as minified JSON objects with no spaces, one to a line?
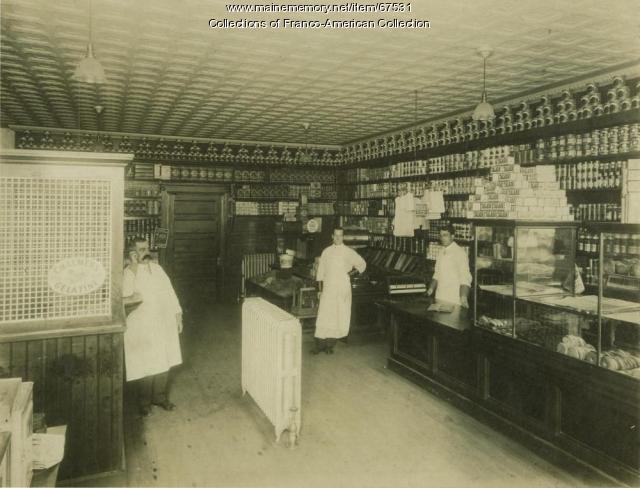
{"x":185,"y":224}
{"x":195,"y":228}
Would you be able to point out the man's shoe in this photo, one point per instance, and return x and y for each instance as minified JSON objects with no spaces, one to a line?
{"x":167,"y":405}
{"x":145,"y":411}
{"x":319,"y":346}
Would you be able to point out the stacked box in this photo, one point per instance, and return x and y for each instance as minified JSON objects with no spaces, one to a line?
{"x":514,"y":192}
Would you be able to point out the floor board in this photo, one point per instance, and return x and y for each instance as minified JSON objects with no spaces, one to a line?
{"x":362,"y":425}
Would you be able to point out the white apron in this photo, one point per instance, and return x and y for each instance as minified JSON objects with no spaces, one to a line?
{"x":334,"y":312}
{"x":151,"y":340}
{"x":452,"y":271}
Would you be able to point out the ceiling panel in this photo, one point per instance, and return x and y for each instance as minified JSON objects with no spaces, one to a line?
{"x":169,"y":74}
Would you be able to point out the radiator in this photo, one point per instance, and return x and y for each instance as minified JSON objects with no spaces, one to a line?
{"x":271,"y":364}
{"x":254,"y":265}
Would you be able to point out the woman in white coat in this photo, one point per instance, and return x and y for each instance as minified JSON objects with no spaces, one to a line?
{"x":452,"y":278}
{"x":151,"y":340}
{"x":337,"y":262}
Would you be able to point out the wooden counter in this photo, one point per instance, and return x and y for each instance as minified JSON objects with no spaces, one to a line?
{"x":436,"y":344}
{"x":567,"y":410}
{"x":364,"y":315}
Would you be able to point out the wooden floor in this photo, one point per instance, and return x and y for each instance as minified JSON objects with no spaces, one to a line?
{"x":362,"y":425}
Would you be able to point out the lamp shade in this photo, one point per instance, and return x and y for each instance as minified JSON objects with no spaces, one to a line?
{"x":89,"y":69}
{"x":484,"y":110}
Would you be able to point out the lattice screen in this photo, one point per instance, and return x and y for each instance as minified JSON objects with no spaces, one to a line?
{"x":44,"y":221}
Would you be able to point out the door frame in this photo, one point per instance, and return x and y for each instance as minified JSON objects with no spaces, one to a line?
{"x":169,"y":191}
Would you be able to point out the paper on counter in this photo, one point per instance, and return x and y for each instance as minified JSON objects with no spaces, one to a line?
{"x":441,"y":307}
{"x":48,"y":450}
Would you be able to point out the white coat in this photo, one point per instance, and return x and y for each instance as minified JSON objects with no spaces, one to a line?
{"x":405,"y":214}
{"x":334,"y":312}
{"x":452,"y":271}
{"x":151,"y":340}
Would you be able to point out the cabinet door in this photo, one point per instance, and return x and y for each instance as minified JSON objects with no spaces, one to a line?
{"x":412,"y":343}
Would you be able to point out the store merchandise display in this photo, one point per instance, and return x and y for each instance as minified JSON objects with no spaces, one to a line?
{"x":598,"y":142}
{"x":576,"y":347}
{"x":619,"y":360}
{"x":501,"y":326}
{"x":630,"y":191}
{"x":249,"y":175}
{"x":141,"y":211}
{"x":517,"y":192}
{"x":549,"y":110}
{"x":596,"y":212}
{"x":289,"y":175}
{"x":201,"y":173}
{"x":590,"y":175}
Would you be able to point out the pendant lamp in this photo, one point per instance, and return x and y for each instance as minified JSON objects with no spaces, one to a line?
{"x":89,"y":69}
{"x":306,"y":157}
{"x":484,"y":110}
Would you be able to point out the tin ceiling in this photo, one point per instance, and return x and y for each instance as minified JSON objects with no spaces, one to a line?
{"x":170,"y":74}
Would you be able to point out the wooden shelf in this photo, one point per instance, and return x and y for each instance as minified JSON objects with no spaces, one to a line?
{"x":143,"y":198}
{"x":230,"y":165}
{"x":141,"y":217}
{"x":426,"y":177}
{"x":451,"y":196}
{"x":282,"y":199}
{"x":597,"y":190}
{"x":513,"y":138}
{"x":368,"y":198}
{"x":582,"y":159}
{"x":145,"y":178}
{"x":457,"y":196}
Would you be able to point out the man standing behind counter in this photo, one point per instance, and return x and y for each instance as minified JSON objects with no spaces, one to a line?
{"x":452,"y":279}
{"x":337,"y":263}
{"x":151,"y":340}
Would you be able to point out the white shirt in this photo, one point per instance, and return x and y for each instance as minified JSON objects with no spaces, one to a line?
{"x":452,"y":271}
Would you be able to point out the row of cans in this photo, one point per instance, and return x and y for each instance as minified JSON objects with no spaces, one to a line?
{"x":599,"y":142}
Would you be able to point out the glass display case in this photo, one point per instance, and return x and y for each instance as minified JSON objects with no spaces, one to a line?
{"x":519,"y":265}
{"x":542,"y":283}
{"x":614,"y":292}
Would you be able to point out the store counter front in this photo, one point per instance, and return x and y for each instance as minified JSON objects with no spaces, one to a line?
{"x":433,"y":339}
{"x":541,"y":398}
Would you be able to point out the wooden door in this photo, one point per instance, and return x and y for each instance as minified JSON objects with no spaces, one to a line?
{"x":194,"y":217}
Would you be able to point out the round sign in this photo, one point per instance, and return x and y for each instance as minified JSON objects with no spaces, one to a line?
{"x":76,"y":276}
{"x":312,"y":225}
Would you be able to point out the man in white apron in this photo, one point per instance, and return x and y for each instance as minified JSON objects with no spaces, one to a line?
{"x":452,"y":279}
{"x":151,"y":340}
{"x":337,"y":262}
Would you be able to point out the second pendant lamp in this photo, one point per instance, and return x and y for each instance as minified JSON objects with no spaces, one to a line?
{"x":484,"y":110}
